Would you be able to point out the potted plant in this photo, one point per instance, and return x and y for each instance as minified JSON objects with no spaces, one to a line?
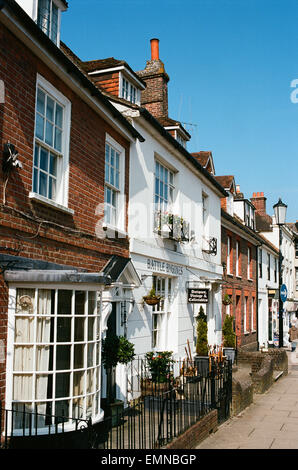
{"x":229,"y":337}
{"x":115,"y":350}
{"x":227,"y":299}
{"x":152,"y":298}
{"x":202,"y":347}
{"x":160,"y":376}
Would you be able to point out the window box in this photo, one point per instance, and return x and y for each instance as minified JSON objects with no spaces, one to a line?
{"x":171,"y":226}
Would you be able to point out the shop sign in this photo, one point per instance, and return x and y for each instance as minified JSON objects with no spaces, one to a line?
{"x":164,"y":267}
{"x":198,"y":296}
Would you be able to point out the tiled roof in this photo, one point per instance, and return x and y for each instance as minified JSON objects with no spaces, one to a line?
{"x":226,"y":181}
{"x":168,"y":122}
{"x":101,"y":64}
{"x":263,"y":222}
{"x":109,"y":63}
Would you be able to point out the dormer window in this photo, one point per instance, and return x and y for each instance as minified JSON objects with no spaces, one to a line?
{"x":48,"y":18}
{"x":249,"y":216}
{"x":180,"y":139}
{"x":129,"y":92}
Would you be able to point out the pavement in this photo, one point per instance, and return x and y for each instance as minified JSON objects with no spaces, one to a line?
{"x":270,"y":422}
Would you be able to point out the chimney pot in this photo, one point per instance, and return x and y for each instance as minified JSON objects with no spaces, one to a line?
{"x":254,"y":195}
{"x":237,"y":188}
{"x":262,"y":194}
{"x":154,"y":49}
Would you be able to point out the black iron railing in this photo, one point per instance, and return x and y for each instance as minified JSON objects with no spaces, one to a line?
{"x":157,"y":411}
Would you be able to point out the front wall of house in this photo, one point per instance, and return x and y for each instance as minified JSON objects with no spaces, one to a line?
{"x":184,"y":264}
{"x":74,"y":239}
{"x":241,"y":289}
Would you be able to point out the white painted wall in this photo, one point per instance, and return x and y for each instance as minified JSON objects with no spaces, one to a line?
{"x":194,"y":264}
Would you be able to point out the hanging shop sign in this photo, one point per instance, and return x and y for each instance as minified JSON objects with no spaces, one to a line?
{"x":198,"y":296}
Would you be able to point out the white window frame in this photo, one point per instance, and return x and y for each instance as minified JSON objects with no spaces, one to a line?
{"x":248,"y":262}
{"x":237,"y":258}
{"x":229,"y":254}
{"x":49,"y":32}
{"x":161,"y":311}
{"x":61,"y":199}
{"x":97,"y":413}
{"x":164,"y":203}
{"x":245,"y":314}
{"x":119,"y":192}
{"x":252,"y":313}
{"x":128,"y":91}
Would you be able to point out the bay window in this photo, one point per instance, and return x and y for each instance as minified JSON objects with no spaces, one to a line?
{"x":55,"y":355}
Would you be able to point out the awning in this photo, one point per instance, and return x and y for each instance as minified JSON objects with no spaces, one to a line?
{"x":56,"y":277}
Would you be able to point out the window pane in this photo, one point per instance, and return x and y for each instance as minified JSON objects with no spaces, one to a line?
{"x":64,"y":302}
{"x":79,"y":329}
{"x":91,"y":323}
{"x":49,"y":133}
{"x":80,"y":297}
{"x":62,"y":385}
{"x":44,"y":358}
{"x":40,"y":105}
{"x":43,"y":388}
{"x":39,"y":131}
{"x":63,"y":357}
{"x":36,"y":155}
{"x":78,"y":356}
{"x":78,"y":383}
{"x":58,"y":139}
{"x":52,"y":188}
{"x":53,"y":164}
{"x":91,"y":303}
{"x":54,"y":26}
{"x":59,"y":116}
{"x":44,"y":159}
{"x":35,"y":181}
{"x":43,"y":184}
{"x":50,"y":109}
{"x":63,"y":329}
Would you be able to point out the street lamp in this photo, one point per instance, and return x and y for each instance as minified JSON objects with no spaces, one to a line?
{"x":280,"y":210}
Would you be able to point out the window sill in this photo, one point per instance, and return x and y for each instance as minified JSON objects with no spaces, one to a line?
{"x":246,"y":333}
{"x":48,"y":202}
{"x":111,"y":231}
{"x":239,"y":277}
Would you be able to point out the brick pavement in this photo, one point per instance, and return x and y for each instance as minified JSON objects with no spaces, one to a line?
{"x":271,"y":422}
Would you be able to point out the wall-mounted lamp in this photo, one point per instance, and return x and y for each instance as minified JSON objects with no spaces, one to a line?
{"x":10,"y":160}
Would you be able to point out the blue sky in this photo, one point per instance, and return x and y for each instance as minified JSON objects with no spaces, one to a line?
{"x":231,"y":64}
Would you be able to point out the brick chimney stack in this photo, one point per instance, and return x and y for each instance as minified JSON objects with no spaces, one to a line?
{"x":155,"y":96}
{"x":259,"y":201}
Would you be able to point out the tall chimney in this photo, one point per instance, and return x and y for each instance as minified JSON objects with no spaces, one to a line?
{"x":155,"y":96}
{"x":259,"y":201}
{"x":154,"y":49}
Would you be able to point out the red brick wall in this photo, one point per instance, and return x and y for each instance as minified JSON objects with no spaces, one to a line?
{"x":239,"y":287}
{"x":155,"y":96}
{"x":65,"y":239}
